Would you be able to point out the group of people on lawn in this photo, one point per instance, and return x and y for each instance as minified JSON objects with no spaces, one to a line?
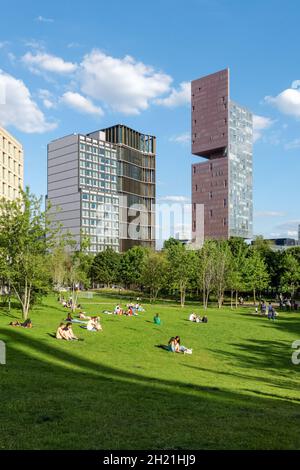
{"x":130,"y":310}
{"x":196,"y":318}
{"x":265,"y":310}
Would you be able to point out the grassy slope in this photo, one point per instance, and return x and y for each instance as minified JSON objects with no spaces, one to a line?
{"x":116,"y":390}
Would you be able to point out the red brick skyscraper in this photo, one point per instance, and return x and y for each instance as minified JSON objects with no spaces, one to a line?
{"x":222,"y":133}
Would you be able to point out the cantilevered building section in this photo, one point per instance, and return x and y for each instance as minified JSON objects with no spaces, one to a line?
{"x":104,"y":186}
{"x":221,"y":133}
{"x":136,"y":185}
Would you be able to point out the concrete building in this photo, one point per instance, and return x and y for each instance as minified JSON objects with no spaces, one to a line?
{"x":222,"y":186}
{"x":11,"y":166}
{"x":89,"y":179}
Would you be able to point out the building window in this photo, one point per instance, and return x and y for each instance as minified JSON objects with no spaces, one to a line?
{"x":210,"y":194}
{"x":225,"y":202}
{"x":210,"y":213}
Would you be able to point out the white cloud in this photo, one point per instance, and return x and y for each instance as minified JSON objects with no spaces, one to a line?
{"x":48,"y":63}
{"x":184,"y":138}
{"x":288,"y":229}
{"x":178,"y":97}
{"x":269,"y":214}
{"x":287,"y":102}
{"x":125,"y":85}
{"x":294,"y":144}
{"x":260,"y":123}
{"x":182,"y":199}
{"x":47,"y":98}
{"x":80,"y":103}
{"x":19,"y":110}
{"x":42,"y":19}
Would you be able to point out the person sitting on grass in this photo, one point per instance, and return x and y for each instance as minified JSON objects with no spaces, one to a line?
{"x":172,"y":344}
{"x":204,"y":319}
{"x":179,"y":348}
{"x":69,"y":317}
{"x":192,"y":317}
{"x":94,"y":324}
{"x":157,"y":320}
{"x":69,"y":332}
{"x":60,"y":332}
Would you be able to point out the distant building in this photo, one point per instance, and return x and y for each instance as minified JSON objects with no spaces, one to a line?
{"x":222,"y":133}
{"x":281,"y":243}
{"x":95,"y":179}
{"x":11,"y":166}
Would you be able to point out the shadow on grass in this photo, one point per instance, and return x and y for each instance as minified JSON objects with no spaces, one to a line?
{"x":56,"y":399}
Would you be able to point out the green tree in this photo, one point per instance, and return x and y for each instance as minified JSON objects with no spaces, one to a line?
{"x":154,"y":273}
{"x":170,"y":243}
{"x":105,"y":267}
{"x":182,"y":267}
{"x":290,"y":278}
{"x":256,"y":274}
{"x":132,"y":264}
{"x":206,"y":269}
{"x":222,"y":263}
{"x":236,"y":278}
{"x":77,"y":266}
{"x":26,"y":238}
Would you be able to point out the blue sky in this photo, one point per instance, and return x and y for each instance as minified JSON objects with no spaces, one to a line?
{"x":77,"y":66}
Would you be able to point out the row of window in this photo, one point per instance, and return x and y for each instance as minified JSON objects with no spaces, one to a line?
{"x":10,"y":148}
{"x":95,"y":174}
{"x":100,"y":198}
{"x":95,"y":150}
{"x":94,"y":158}
{"x":10,"y":162}
{"x":100,"y":223}
{"x":97,"y":167}
{"x":98,"y":183}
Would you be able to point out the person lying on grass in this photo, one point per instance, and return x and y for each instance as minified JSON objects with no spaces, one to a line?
{"x":94,"y":324}
{"x":26,"y":324}
{"x":83,"y":316}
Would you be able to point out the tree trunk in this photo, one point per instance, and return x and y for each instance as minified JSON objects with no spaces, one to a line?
{"x":231,"y":299}
{"x":236,"y":299}
{"x":254,"y":296}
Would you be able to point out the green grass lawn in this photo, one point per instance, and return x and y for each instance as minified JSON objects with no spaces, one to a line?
{"x":118,"y":390}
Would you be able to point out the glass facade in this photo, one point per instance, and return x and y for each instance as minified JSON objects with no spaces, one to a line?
{"x":240,"y":171}
{"x":99,"y":196}
{"x":136,"y":185}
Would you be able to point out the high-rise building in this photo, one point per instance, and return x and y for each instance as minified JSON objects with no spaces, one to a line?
{"x":136,"y":185}
{"x":93,"y":181}
{"x":222,"y":186}
{"x":11,"y":166}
